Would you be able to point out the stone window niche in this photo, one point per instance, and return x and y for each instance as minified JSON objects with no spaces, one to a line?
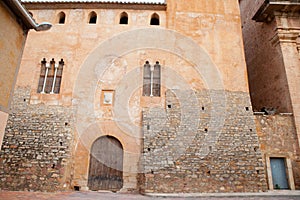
{"x":50,"y":76}
{"x":154,"y":19}
{"x":123,"y":18}
{"x":92,"y":18}
{"x":151,"y":79}
{"x":61,"y":18}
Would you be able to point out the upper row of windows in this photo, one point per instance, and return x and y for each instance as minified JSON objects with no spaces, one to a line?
{"x":123,"y":18}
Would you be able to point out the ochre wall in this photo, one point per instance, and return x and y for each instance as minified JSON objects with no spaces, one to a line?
{"x":12,"y":38}
{"x":214,"y":26}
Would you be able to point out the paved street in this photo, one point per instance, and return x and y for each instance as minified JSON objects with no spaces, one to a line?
{"x":282,"y":195}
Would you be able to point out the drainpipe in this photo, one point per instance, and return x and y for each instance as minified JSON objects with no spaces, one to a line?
{"x":44,"y":26}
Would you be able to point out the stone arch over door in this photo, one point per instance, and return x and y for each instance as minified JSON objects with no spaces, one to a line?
{"x":106,"y":164}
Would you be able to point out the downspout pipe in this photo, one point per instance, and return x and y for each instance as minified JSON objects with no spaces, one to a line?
{"x":44,"y":26}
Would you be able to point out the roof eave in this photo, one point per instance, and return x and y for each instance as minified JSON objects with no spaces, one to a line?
{"x":94,"y":1}
{"x":266,"y":12}
{"x":94,"y":5}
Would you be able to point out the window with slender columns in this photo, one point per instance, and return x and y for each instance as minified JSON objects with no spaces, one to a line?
{"x":50,"y":76}
{"x":151,"y":79}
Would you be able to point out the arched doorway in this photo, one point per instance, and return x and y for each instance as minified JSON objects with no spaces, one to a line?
{"x":106,"y":165}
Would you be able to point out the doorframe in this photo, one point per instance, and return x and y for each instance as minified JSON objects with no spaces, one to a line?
{"x":289,"y":171}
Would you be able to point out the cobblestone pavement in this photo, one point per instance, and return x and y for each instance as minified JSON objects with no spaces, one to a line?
{"x":5,"y":195}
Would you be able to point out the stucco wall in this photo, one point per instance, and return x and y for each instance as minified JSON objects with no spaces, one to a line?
{"x":214,"y":26}
{"x":12,"y":38}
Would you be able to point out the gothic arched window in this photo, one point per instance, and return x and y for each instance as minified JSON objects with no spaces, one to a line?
{"x":154,"y":19}
{"x":151,"y":79}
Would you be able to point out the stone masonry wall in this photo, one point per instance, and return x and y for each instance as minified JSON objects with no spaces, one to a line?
{"x":213,"y":150}
{"x":36,"y":146}
{"x":277,"y":137}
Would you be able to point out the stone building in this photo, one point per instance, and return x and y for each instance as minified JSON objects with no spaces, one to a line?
{"x":147,"y":96}
{"x":271,"y":31}
{"x":14,"y":26}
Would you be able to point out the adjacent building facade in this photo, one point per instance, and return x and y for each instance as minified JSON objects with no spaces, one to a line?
{"x":271,"y":31}
{"x":140,"y":96}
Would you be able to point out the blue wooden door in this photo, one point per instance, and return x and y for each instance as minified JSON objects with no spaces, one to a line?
{"x":279,"y":176}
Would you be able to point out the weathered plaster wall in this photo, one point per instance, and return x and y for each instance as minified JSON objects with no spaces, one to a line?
{"x":73,"y":41}
{"x":266,"y":70}
{"x":278,"y":138}
{"x":215,"y":26}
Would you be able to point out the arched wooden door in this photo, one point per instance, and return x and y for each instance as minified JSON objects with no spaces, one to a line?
{"x":106,"y":165}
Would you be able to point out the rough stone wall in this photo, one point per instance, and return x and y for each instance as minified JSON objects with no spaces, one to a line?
{"x":277,"y":137}
{"x":175,"y":159}
{"x":266,"y":72}
{"x":36,"y":146}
